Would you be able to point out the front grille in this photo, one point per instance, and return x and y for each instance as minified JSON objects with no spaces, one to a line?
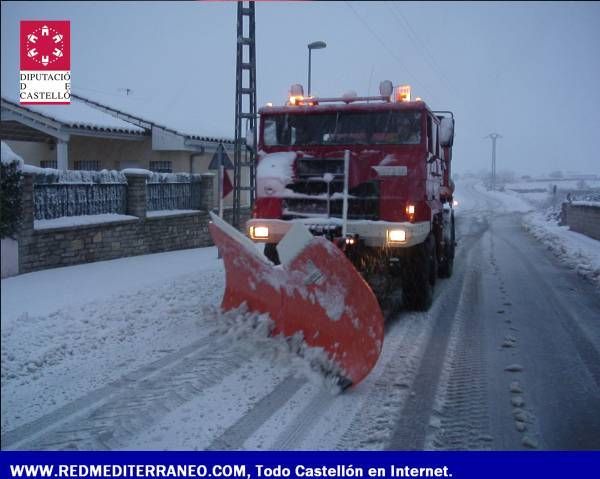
{"x":317,"y":167}
{"x":312,"y":197}
{"x":315,"y":197}
{"x":358,"y":208}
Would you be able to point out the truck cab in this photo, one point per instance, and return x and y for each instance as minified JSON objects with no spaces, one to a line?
{"x":370,"y":173}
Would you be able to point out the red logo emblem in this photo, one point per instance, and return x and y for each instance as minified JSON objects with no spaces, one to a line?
{"x":45,"y":45}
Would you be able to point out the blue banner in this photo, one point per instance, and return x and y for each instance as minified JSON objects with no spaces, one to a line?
{"x":275,"y":465}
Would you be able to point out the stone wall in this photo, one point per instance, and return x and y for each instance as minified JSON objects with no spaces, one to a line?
{"x":50,"y":248}
{"x":583,"y":218}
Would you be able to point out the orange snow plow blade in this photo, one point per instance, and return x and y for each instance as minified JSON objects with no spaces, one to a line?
{"x":315,"y":291}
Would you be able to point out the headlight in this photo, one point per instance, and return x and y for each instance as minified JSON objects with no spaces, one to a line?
{"x":259,"y":232}
{"x":396,"y":236}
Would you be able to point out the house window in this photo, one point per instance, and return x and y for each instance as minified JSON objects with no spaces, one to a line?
{"x":161,"y":166}
{"x":49,"y":164}
{"x":87,"y":165}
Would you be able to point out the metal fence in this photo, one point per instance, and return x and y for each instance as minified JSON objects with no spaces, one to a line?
{"x":56,"y":200}
{"x":172,"y":196}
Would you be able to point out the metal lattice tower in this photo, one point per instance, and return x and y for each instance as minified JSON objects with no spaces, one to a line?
{"x":245,"y":106}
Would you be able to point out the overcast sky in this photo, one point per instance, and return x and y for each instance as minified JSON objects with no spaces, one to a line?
{"x":529,"y":71}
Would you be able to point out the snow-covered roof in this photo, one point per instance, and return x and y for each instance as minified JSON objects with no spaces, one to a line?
{"x":144,"y":121}
{"x":79,"y":115}
{"x":95,"y":118}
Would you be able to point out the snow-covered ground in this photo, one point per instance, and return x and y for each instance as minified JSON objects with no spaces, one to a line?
{"x":68,"y":330}
{"x":146,"y":332}
{"x":507,"y":201}
{"x":134,"y":353}
{"x":578,"y":251}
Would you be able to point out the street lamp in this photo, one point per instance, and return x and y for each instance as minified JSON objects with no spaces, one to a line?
{"x":313,"y":46}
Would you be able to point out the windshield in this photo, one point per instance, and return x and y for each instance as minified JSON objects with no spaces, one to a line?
{"x":347,"y":128}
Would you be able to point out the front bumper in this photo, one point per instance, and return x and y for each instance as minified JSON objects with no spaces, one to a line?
{"x":373,"y":233}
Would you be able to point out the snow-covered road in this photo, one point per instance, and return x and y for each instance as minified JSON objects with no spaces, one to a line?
{"x":133,"y":354}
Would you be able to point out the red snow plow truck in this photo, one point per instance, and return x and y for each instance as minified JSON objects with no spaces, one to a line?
{"x":354,"y":207}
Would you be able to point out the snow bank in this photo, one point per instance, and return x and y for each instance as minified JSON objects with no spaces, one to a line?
{"x":578,"y":251}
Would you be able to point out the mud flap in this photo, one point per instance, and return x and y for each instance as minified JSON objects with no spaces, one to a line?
{"x":315,"y":291}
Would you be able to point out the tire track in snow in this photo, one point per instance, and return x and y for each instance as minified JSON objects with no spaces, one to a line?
{"x":106,"y":417}
{"x":309,"y":423}
{"x":460,"y":421}
{"x":235,"y":436}
{"x":296,"y":432}
{"x":410,"y":430}
{"x":292,"y":436}
{"x":372,"y":427}
{"x":373,"y":422}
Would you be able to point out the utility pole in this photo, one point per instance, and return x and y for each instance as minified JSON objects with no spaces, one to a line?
{"x":493,"y":137}
{"x":245,"y":106}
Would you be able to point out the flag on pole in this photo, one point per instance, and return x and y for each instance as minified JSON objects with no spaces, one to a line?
{"x":227,"y":186}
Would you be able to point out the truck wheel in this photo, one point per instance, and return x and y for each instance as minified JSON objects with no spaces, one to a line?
{"x":271,"y":253}
{"x":419,"y":266}
{"x":447,"y":263}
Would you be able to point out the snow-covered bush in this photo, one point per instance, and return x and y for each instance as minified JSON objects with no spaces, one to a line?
{"x":10,"y":192}
{"x":552,"y":214}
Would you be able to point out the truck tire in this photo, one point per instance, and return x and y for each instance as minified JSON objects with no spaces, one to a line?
{"x":447,"y":263}
{"x":271,"y":253}
{"x":419,"y":267}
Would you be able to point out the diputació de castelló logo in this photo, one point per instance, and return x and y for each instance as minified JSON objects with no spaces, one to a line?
{"x":45,"y":76}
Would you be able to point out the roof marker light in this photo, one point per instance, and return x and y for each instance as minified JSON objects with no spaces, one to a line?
{"x":402,"y":93}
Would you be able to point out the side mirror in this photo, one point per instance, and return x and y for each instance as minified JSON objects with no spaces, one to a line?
{"x":446,"y":131}
{"x":250,"y":139}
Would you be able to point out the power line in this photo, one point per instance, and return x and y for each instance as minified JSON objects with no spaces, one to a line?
{"x":127,"y":91}
{"x":384,"y":45}
{"x":420,"y":44}
{"x":427,"y":55}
